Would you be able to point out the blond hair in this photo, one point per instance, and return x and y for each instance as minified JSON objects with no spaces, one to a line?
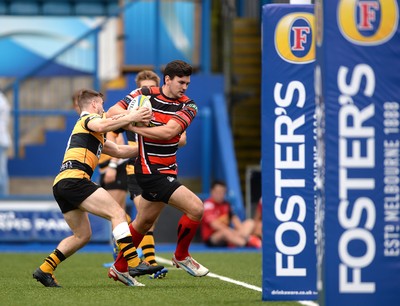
{"x":147,"y":75}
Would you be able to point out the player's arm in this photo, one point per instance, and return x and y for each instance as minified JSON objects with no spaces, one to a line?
{"x":176,"y":125}
{"x":120,"y":151}
{"x":103,"y":125}
{"x":121,"y":108}
{"x":183,"y":140}
{"x":162,"y":132}
{"x":122,"y":105}
{"x":116,"y":109}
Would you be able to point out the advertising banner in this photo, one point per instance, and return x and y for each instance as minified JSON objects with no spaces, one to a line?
{"x":288,"y":150}
{"x":357,"y":85}
{"x":42,"y":221}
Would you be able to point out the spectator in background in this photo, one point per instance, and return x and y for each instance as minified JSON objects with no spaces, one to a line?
{"x":5,"y":143}
{"x":221,"y":227}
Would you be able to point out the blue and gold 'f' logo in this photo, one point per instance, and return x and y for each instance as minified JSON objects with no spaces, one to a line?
{"x":368,"y":22}
{"x":294,"y":38}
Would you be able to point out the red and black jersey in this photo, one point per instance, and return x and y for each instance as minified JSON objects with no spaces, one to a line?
{"x":159,"y":156}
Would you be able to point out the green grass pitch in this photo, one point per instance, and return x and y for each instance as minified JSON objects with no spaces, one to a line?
{"x":84,"y":281}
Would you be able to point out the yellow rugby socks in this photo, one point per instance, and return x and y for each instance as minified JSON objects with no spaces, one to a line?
{"x":52,"y":261}
{"x":125,"y":243}
{"x":148,"y":248}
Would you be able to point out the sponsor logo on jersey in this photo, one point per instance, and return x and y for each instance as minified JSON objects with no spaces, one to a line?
{"x":294,"y":38}
{"x":128,"y":99}
{"x":192,"y":105}
{"x":368,"y":22}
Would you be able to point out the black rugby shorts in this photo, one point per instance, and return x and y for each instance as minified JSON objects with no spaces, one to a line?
{"x":71,"y":192}
{"x":133,"y":186}
{"x":157,"y":187}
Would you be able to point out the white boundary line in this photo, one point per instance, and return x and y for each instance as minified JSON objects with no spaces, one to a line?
{"x":230,"y":280}
{"x":308,"y":303}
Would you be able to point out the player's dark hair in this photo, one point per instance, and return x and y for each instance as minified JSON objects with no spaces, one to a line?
{"x":177,"y":68}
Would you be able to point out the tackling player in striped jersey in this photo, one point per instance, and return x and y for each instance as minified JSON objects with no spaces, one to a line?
{"x":77,"y":195}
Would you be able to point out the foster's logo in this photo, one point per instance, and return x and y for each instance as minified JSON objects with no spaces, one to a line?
{"x":294,"y":38}
{"x":368,"y":22}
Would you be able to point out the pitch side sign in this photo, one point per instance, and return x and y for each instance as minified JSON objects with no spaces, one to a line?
{"x":288,"y":144}
{"x":42,"y":221}
{"x":357,"y":79}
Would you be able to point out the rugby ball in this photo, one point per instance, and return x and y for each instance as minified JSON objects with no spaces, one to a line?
{"x":139,"y":101}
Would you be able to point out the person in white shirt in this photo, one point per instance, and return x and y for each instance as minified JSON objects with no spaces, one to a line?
{"x":5,"y":143}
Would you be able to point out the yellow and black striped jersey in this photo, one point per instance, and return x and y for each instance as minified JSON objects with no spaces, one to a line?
{"x":83,"y":150}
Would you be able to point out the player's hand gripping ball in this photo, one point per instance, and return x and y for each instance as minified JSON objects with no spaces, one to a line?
{"x":139,"y":101}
